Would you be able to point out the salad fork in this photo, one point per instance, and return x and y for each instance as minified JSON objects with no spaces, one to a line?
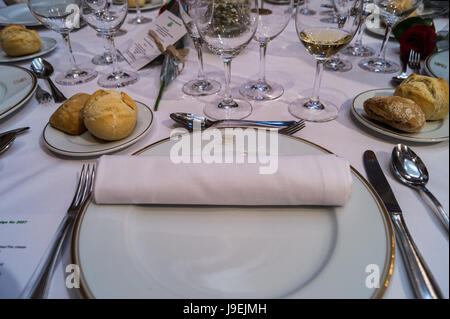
{"x":292,"y":129}
{"x":42,"y":96}
{"x":37,"y":286}
{"x":414,"y":61}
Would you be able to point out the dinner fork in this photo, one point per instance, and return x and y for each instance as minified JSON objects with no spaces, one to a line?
{"x":42,"y":96}
{"x":292,"y":129}
{"x":414,"y":61}
{"x":37,"y":286}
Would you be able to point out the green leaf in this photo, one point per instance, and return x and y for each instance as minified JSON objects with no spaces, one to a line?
{"x":402,"y":26}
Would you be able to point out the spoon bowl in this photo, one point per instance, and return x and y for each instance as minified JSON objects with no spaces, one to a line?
{"x":43,"y":70}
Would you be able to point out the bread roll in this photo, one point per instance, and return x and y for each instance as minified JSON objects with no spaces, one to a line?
{"x":399,"y":6}
{"x":110,"y":115}
{"x":69,"y":116}
{"x":16,"y":40}
{"x":429,"y":93}
{"x":400,"y":113}
{"x":132,"y":3}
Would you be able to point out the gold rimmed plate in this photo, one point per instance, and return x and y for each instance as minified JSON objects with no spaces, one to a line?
{"x":47,"y":46}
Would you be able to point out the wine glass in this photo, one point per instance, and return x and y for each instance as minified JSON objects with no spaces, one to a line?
{"x":390,"y":12}
{"x":305,"y":10}
{"x":139,"y":19}
{"x":358,"y":48}
{"x":273,"y":19}
{"x":201,"y":85}
{"x":226,"y":26}
{"x":63,"y":16}
{"x":107,"y":17}
{"x":106,"y":57}
{"x":323,"y":40}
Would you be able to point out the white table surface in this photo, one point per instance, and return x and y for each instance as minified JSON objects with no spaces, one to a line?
{"x":36,"y":182}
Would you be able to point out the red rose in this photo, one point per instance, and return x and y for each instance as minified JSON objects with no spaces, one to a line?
{"x":420,"y":38}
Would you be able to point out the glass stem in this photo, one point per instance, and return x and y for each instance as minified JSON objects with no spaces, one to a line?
{"x":227,"y":98}
{"x":360,"y":34}
{"x":382,"y":54}
{"x":107,"y":47}
{"x":112,"y":48}
{"x":201,"y":71}
{"x":138,"y":11}
{"x":317,"y":81}
{"x":73,"y":62}
{"x":262,"y":62}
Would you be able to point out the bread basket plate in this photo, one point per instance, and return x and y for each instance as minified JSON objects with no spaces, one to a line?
{"x":433,"y":131}
{"x":436,"y":65}
{"x":17,"y":86}
{"x":48,"y":45}
{"x":18,"y":14}
{"x":86,"y":145}
{"x":154,"y":4}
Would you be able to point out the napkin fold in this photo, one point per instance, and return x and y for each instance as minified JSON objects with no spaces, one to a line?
{"x":299,"y":180}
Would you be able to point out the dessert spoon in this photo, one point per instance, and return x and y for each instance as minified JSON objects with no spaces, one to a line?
{"x":43,"y":69}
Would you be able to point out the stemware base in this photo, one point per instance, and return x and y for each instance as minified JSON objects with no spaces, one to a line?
{"x":76,"y":76}
{"x":307,"y":12}
{"x":358,"y":50}
{"x":261,"y":91}
{"x":308,"y":110}
{"x":141,"y":20}
{"x":201,"y":87}
{"x":105,"y":59}
{"x":238,"y":110}
{"x":338,"y":65}
{"x":118,"y":79}
{"x":379,"y":65}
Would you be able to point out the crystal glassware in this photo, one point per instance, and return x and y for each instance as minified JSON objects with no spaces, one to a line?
{"x":107,"y":17}
{"x":323,"y":40}
{"x":227,"y":27}
{"x":139,"y":19}
{"x":305,"y":10}
{"x":63,"y":16}
{"x":105,"y":58}
{"x":201,"y":85}
{"x":273,"y":19}
{"x":390,"y":12}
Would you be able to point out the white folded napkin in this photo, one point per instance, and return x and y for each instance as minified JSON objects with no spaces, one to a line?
{"x":299,"y":180}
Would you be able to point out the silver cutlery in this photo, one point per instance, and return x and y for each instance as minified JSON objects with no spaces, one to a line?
{"x":409,"y":169}
{"x":414,"y":61}
{"x":7,"y":138}
{"x":422,"y":281}
{"x":44,"y":70}
{"x":404,"y":75}
{"x":37,"y":286}
{"x":42,"y":96}
{"x":188,"y":120}
{"x":292,"y":129}
{"x":16,"y":131}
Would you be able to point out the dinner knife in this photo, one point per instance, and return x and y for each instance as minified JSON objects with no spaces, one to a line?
{"x":6,"y":140}
{"x":15,"y":131}
{"x":420,"y":277}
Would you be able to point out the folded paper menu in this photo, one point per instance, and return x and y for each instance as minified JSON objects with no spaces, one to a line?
{"x":299,"y":180}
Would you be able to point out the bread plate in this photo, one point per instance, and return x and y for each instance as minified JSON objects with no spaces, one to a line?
{"x":86,"y":145}
{"x":433,"y":131}
{"x":48,"y":45}
{"x":154,"y":4}
{"x":18,"y":14}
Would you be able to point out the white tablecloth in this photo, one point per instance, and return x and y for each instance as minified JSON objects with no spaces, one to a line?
{"x":36,"y":182}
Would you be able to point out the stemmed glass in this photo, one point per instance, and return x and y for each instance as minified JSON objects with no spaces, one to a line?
{"x":358,"y":48}
{"x":322,"y":41}
{"x":201,"y":85}
{"x":390,"y":12}
{"x":139,"y":19}
{"x":305,"y":10}
{"x":106,"y":57}
{"x":107,"y":17}
{"x":273,"y":19}
{"x":226,"y":26}
{"x":63,"y":16}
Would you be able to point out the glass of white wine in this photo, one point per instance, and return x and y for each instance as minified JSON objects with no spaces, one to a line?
{"x":322,"y":41}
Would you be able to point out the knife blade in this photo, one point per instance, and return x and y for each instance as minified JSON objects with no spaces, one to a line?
{"x":422,"y":281}
{"x":6,"y":140}
{"x":16,"y":131}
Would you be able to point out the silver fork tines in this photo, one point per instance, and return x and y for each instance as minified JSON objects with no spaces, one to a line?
{"x":292,"y":129}
{"x":43,"y":96}
{"x":414,"y":61}
{"x":37,"y":286}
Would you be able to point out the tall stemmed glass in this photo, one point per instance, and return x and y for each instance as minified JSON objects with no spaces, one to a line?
{"x":108,"y":20}
{"x":63,"y":16}
{"x":201,"y":85}
{"x":390,"y":12}
{"x":139,"y":19}
{"x":273,"y":19}
{"x":322,"y":41}
{"x":226,"y":26}
{"x":358,"y":48}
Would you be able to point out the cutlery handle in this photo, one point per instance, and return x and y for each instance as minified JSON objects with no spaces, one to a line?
{"x":420,"y":277}
{"x":259,"y":123}
{"x":39,"y":283}
{"x":58,"y":97}
{"x":443,"y":217}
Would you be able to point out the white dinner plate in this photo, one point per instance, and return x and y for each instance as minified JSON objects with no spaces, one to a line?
{"x":376,"y":27}
{"x":17,"y":86}
{"x":154,"y":4}
{"x":18,"y":14}
{"x":166,"y":251}
{"x":437,"y":65}
{"x":48,"y":45}
{"x":433,"y":131}
{"x":86,"y":145}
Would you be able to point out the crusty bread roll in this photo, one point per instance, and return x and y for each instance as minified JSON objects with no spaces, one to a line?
{"x":132,"y":3}
{"x":16,"y":40}
{"x":429,"y":93}
{"x":110,"y":115}
{"x":400,"y":113}
{"x":399,"y":6}
{"x":69,"y":116}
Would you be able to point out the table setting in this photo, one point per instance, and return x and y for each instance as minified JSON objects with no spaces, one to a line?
{"x":163,"y":149}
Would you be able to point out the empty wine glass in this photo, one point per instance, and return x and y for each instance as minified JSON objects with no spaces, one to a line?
{"x":201,"y":85}
{"x":226,"y":26}
{"x":108,"y":20}
{"x":273,"y":19}
{"x":390,"y":12}
{"x":63,"y":16}
{"x":139,"y":19}
{"x":358,"y":48}
{"x":106,"y":57}
{"x":323,"y":40}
